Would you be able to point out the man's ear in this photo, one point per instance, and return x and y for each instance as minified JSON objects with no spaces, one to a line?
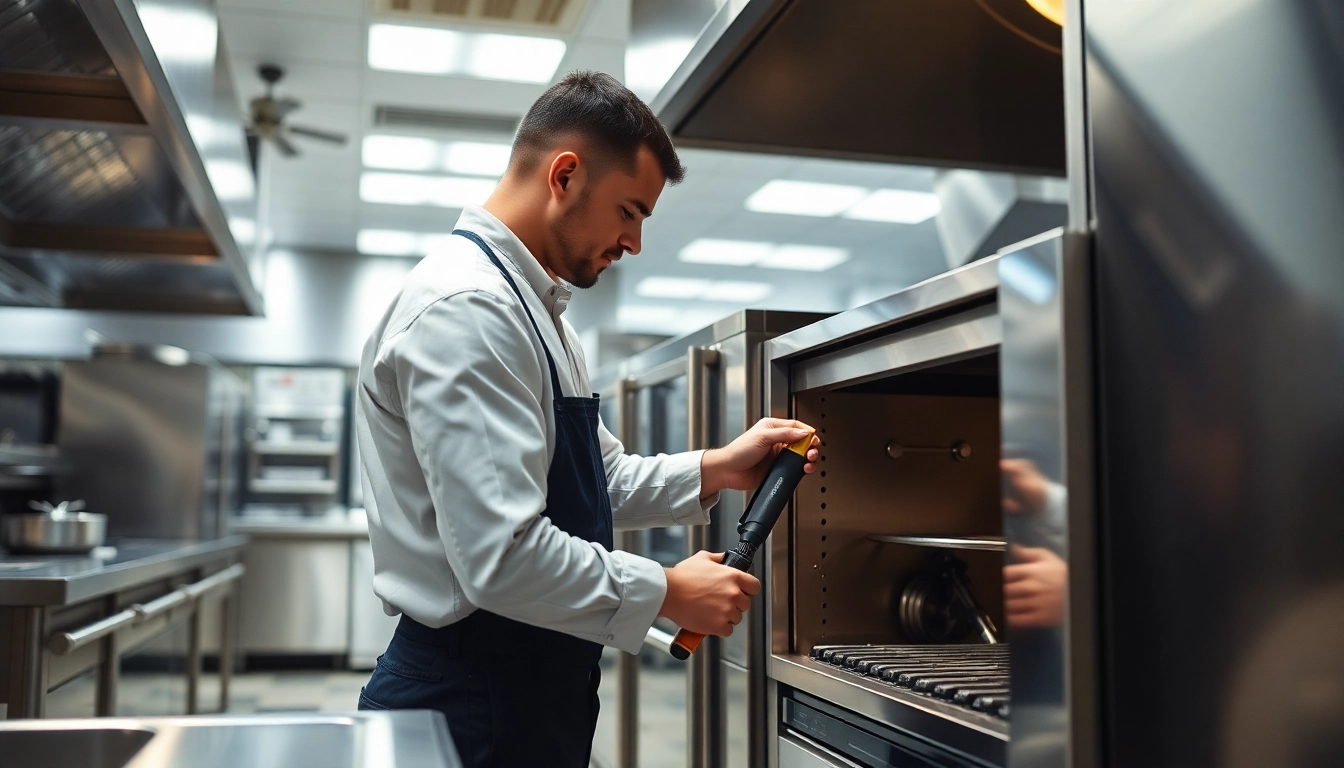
{"x":565,"y":169}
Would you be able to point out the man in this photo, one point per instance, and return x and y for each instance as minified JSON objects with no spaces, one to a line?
{"x":492,"y":485}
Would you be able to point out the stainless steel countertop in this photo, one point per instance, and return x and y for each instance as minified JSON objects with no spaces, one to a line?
{"x":417,"y":738}
{"x":52,"y":580}
{"x":352,"y":524}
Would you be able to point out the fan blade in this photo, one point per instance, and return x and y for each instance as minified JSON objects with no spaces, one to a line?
{"x":286,"y":105}
{"x":287,"y":149}
{"x":313,"y":133}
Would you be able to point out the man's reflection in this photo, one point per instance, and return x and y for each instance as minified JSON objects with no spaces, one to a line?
{"x":1035,"y":581}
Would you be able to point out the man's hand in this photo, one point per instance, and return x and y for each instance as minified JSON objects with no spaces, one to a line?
{"x":706,"y":597}
{"x":742,"y":464}
{"x":1033,"y":588}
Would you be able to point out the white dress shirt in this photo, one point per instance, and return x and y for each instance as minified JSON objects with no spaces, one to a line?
{"x":456,"y":431}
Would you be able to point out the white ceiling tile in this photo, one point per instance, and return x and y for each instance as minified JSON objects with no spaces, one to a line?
{"x":285,"y":38}
{"x":601,"y":55}
{"x":338,"y":9}
{"x":452,"y":94}
{"x":607,"y":20}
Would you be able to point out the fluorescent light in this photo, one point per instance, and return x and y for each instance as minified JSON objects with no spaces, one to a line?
{"x":737,"y":253}
{"x":804,"y":198}
{"x":646,"y":316}
{"x":434,"y":51}
{"x":900,"y":206}
{"x":728,"y":290}
{"x":401,"y":153}
{"x":230,"y":179}
{"x":649,"y":67}
{"x":807,"y":258}
{"x":388,"y":242}
{"x":415,"y":153}
{"x":513,"y":57}
{"x":416,"y":189}
{"x":244,"y":230}
{"x":476,"y":158}
{"x":671,"y":287}
{"x":414,"y":49}
{"x":180,"y":34}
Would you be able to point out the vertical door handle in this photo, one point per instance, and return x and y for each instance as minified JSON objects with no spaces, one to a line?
{"x":703,"y":682}
{"x":627,"y":665}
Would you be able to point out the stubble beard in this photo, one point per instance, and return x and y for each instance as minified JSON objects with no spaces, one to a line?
{"x":572,"y":255}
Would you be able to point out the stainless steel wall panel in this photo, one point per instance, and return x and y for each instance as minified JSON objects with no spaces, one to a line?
{"x":295,"y":597}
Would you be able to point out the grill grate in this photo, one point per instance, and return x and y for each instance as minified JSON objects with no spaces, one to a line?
{"x":972,"y":676}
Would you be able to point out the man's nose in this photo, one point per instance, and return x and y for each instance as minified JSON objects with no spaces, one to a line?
{"x":630,"y":242}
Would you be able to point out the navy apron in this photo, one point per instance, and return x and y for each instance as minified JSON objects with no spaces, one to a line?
{"x":514,"y":694}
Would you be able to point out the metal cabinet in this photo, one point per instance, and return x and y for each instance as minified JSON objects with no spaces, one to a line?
{"x":695,"y":392}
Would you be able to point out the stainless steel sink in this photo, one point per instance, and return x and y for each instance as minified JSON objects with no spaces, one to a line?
{"x":91,"y":747}
{"x":355,"y":740}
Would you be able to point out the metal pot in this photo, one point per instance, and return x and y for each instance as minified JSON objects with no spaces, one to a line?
{"x":62,"y":529}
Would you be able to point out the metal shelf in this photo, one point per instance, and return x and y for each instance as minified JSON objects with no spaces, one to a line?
{"x":990,"y":543}
{"x":296,"y":448}
{"x":297,"y":487}
{"x":314,"y":412}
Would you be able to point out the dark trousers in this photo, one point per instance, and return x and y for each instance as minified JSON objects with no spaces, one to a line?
{"x":513,"y":699}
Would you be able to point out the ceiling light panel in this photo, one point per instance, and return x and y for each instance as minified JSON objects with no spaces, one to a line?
{"x":804,"y":198}
{"x":671,"y":288}
{"x":414,"y":153}
{"x":430,"y":51}
{"x":734,"y":253}
{"x":805,"y":258}
{"x":900,"y":206}
{"x":417,"y":189}
{"x":737,"y":292}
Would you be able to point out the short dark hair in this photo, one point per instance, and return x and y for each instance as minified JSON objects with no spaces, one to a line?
{"x":596,"y":107}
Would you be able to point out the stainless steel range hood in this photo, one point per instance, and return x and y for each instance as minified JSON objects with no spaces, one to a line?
{"x":954,"y":83}
{"x":115,"y":116}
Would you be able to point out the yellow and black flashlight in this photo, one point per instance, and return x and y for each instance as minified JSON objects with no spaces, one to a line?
{"x":754,"y":526}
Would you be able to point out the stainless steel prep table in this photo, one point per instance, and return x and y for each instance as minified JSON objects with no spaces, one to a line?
{"x":388,"y":739}
{"x":61,"y":616}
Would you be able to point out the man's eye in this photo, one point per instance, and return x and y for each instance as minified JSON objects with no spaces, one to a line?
{"x":627,"y":214}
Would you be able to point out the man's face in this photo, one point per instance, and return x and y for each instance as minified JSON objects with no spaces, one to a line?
{"x":602,"y":218}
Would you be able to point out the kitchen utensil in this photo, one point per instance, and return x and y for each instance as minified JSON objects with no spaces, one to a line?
{"x":62,"y":529}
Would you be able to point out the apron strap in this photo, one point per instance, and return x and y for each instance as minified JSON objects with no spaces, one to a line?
{"x":550,"y":361}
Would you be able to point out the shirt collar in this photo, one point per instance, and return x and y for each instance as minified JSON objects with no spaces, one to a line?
{"x":554,"y":295}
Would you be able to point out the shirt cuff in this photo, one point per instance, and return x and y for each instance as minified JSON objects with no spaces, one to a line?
{"x":643,"y":588}
{"x":683,"y":489}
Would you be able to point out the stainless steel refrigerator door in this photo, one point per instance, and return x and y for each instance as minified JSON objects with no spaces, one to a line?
{"x":1218,"y":162}
{"x":1046,"y":469}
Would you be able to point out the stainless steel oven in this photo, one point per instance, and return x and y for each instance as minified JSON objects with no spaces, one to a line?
{"x":693,"y":392}
{"x":889,"y":643}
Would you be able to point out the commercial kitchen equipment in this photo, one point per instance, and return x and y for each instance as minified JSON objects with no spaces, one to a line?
{"x":697,"y":391}
{"x":295,"y":437}
{"x":962,"y":84}
{"x":114,"y":147}
{"x":63,"y":529}
{"x":62,"y":618}
{"x":417,"y":738}
{"x":151,"y":434}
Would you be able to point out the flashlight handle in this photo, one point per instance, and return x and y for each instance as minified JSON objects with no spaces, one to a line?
{"x":686,"y":641}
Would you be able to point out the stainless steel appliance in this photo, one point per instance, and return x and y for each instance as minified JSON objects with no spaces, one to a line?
{"x":63,"y":529}
{"x":697,"y":391}
{"x":867,"y":573}
{"x":151,"y":434}
{"x":294,"y":445}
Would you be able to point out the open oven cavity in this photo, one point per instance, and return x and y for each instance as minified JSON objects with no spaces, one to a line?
{"x":897,"y":551}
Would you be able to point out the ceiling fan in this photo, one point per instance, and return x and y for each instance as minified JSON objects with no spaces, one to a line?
{"x":268,"y":119}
